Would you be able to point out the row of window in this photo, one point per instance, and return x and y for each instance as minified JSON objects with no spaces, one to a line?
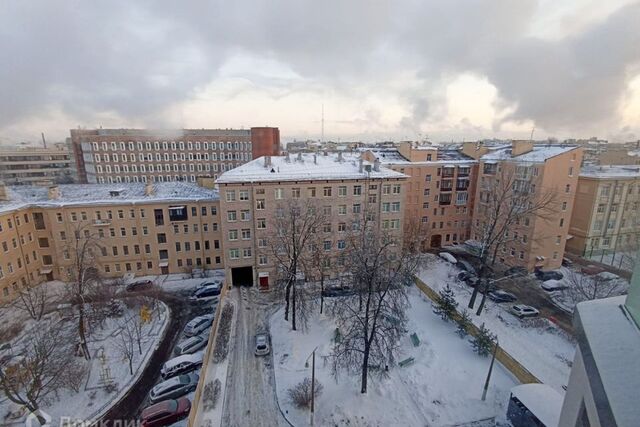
{"x":166,"y":168}
{"x":153,"y":178}
{"x":10,"y":269}
{"x":180,"y":145}
{"x":9,"y":223}
{"x":279,"y":193}
{"x":175,"y":157}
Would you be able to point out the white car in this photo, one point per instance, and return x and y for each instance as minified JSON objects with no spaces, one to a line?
{"x":262,"y":344}
{"x":198,"y":324}
{"x":191,"y":345}
{"x":448,"y":257}
{"x":207,"y":293}
{"x":181,"y":365}
{"x":552,"y":285}
{"x":521,"y":311}
{"x":174,"y":387}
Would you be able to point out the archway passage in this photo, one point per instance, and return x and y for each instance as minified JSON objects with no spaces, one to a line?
{"x":242,"y":276}
{"x":436,"y":241}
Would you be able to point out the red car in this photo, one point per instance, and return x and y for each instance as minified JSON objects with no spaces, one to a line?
{"x":165,"y":413}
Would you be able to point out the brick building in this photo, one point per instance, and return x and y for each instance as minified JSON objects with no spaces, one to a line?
{"x":135,"y":155}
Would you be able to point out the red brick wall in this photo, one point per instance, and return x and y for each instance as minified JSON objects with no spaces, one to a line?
{"x":265,"y":141}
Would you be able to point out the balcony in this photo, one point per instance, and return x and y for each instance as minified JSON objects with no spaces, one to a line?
{"x":444,"y":199}
{"x":447,"y":171}
{"x":462,"y":184}
{"x":101,"y":222}
{"x":464,"y":172}
{"x":446,"y":185}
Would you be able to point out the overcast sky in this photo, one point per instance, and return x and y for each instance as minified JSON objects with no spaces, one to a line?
{"x":445,"y":69}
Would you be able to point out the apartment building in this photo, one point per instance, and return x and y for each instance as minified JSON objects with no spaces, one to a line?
{"x":344,"y":187}
{"x":37,"y":165}
{"x":541,"y":171}
{"x":440,"y":189}
{"x":605,"y":217}
{"x":139,"y":229}
{"x":138,"y":155}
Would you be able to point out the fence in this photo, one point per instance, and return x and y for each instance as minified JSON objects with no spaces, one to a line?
{"x":508,"y":361}
{"x":207,"y":357}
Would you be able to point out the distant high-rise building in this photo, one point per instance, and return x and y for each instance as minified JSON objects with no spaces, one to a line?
{"x":138,"y":155}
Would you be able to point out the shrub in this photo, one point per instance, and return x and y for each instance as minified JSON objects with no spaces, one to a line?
{"x":224,"y":330}
{"x":300,"y":394}
{"x":446,"y":304}
{"x":463,"y":324}
{"x":484,"y":342}
{"x":210,"y":394}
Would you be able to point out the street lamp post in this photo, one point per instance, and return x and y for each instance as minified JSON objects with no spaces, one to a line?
{"x":486,"y":383}
{"x":313,"y":380}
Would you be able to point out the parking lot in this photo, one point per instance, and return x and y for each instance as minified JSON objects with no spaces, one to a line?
{"x":182,"y":311}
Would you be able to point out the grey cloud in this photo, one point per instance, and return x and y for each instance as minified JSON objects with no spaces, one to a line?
{"x":138,"y":58}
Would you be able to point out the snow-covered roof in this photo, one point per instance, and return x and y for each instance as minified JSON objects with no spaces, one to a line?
{"x":540,"y":153}
{"x":613,"y":342}
{"x":310,"y":167}
{"x":448,"y":157}
{"x":104,"y":194}
{"x":542,"y":400}
{"x":610,"y":171}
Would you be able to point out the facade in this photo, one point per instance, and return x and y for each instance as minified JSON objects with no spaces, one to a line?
{"x":254,"y":194}
{"x":35,"y":165}
{"x":540,"y":169}
{"x":440,"y":189}
{"x":138,"y":155}
{"x":605,"y":372}
{"x":605,"y":216}
{"x":140,"y":229}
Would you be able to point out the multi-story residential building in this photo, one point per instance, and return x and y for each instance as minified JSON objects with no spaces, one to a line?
{"x":344,"y":187}
{"x":439,"y":191}
{"x":545,"y":171}
{"x":139,"y":229}
{"x":37,"y":165}
{"x":135,"y":155}
{"x":605,"y":215}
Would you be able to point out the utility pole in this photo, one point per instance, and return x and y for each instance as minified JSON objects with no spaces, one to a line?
{"x":322,"y":125}
{"x":44,"y":142}
{"x":532,"y":130}
{"x":313,"y":383}
{"x":486,"y":383}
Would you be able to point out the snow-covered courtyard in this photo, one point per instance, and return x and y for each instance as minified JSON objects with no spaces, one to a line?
{"x":442,"y":387}
{"x":539,"y":345}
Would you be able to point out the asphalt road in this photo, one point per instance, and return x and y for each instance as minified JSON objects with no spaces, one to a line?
{"x":250,"y":397}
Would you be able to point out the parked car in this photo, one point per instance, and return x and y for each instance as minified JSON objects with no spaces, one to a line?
{"x":607,"y":276}
{"x":468,"y":278}
{"x":191,"y":345}
{"x":521,"y":311}
{"x":466,"y":266}
{"x":337,"y":291}
{"x":210,"y":283}
{"x":591,"y":270}
{"x":181,"y":365}
{"x":548,"y":275}
{"x":198,"y":324}
{"x":554,"y":285}
{"x":502,"y":296}
{"x":165,"y":413}
{"x":262,"y":344}
{"x":174,"y":387}
{"x":206,"y":293}
{"x":139,"y":285}
{"x":516,"y":272}
{"x":566,"y":262}
{"x":448,"y":257}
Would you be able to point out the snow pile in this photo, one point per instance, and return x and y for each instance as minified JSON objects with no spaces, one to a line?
{"x":545,"y":351}
{"x":442,"y":387}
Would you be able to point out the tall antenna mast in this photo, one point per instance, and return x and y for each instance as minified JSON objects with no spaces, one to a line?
{"x":322,"y":125}
{"x":532,"y":130}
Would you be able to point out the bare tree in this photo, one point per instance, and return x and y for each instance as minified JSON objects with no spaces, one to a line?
{"x":295,"y":224}
{"x":582,"y":287}
{"x":42,"y":368}
{"x":82,"y":249}
{"x":33,"y":300}
{"x":372,"y":322}
{"x":317,"y":265}
{"x":126,"y":340}
{"x":507,"y":201}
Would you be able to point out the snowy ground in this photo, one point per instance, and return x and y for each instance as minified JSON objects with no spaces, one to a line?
{"x":544,"y":349}
{"x":182,"y":282}
{"x":106,"y":365}
{"x":443,"y":386}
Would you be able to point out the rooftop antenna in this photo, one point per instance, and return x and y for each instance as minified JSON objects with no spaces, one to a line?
{"x":44,"y":142}
{"x":322,"y":125}
{"x":532,"y":130}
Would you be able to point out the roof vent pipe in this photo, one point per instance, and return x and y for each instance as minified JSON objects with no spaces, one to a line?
{"x":360,"y":163}
{"x":54,"y":192}
{"x":267,"y":161}
{"x":376,"y":165}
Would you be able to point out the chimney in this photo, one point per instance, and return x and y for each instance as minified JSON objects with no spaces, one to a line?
{"x":267,"y":161}
{"x":288,"y":158}
{"x":300,"y":157}
{"x":315,"y":159}
{"x":54,"y":192}
{"x":521,"y":147}
{"x":360,"y":165}
{"x":3,"y":192}
{"x":376,"y":165}
{"x":340,"y":157}
{"x":148,"y":189}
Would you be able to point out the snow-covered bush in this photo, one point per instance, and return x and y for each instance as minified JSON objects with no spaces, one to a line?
{"x":463,"y":324}
{"x":224,"y":330}
{"x":300,"y":394}
{"x":210,"y":394}
{"x":446,"y":304}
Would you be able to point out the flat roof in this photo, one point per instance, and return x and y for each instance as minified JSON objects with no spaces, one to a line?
{"x":610,"y":171}
{"x":609,"y":341}
{"x":445,"y":156}
{"x":305,"y":166}
{"x":104,"y":194}
{"x":539,"y":153}
{"x":542,"y":400}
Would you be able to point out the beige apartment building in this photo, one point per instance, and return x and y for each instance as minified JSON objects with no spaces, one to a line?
{"x":440,"y":189}
{"x":139,"y":229}
{"x":135,"y":155}
{"x":605,"y":217}
{"x":345,"y":187}
{"x":540,"y":170}
{"x":37,"y":165}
